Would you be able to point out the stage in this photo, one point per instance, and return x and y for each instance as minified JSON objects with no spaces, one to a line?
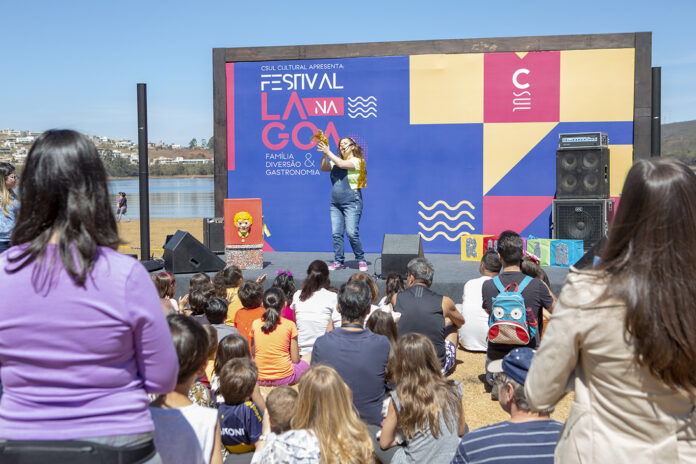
{"x":450,"y":271}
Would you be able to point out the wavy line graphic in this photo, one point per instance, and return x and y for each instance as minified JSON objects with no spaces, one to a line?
{"x":362,"y":105}
{"x":442,"y":202}
{"x":370,"y":98}
{"x":446,"y":226}
{"x":362,"y":111}
{"x":428,"y":218}
{"x":436,"y":234}
{"x":353,"y":116}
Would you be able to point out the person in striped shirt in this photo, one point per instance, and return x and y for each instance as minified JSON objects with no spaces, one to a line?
{"x":527,"y":437}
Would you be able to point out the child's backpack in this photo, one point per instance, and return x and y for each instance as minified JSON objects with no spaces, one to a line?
{"x":510,"y":323}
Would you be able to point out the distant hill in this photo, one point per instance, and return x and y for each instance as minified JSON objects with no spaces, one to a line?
{"x":679,"y":141}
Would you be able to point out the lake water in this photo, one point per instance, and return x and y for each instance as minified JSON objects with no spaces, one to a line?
{"x":176,"y":197}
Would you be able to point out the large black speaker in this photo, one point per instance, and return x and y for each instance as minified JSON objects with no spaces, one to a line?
{"x":183,"y":253}
{"x":586,"y":220}
{"x":214,"y":234}
{"x":398,"y":250}
{"x":582,"y":173}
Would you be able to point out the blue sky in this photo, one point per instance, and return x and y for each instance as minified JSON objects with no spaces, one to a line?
{"x":75,"y":64}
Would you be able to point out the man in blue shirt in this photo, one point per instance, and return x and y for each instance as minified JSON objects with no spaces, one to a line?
{"x":528,"y":437}
{"x":358,"y":355}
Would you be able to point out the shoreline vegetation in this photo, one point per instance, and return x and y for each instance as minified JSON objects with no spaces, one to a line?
{"x":117,"y":166}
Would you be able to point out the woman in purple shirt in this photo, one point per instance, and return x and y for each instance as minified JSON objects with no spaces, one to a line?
{"x":82,"y":334}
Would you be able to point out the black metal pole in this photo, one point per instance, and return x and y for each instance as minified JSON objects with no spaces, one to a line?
{"x":656,"y":120}
{"x":143,"y":173}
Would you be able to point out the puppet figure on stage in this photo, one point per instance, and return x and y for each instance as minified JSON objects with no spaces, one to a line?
{"x":243,"y":222}
{"x":348,"y":177}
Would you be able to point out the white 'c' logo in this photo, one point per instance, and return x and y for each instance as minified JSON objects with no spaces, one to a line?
{"x":514,"y":78}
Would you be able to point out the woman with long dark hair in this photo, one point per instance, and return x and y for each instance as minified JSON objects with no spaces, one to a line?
{"x":313,"y":305}
{"x":348,"y":178}
{"x":9,"y":205}
{"x":622,"y":335}
{"x":83,"y":334}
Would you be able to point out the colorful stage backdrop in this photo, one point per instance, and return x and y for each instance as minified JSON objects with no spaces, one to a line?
{"x":456,"y":144}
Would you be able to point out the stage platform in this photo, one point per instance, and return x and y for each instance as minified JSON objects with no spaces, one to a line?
{"x":450,"y":271}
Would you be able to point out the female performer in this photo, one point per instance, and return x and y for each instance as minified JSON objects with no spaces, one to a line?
{"x":622,"y":335}
{"x":8,"y":203}
{"x":348,"y":177}
{"x":83,"y":334}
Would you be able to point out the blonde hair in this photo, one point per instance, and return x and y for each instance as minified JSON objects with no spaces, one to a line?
{"x":7,"y":196}
{"x":357,"y":152}
{"x":243,"y":216}
{"x":325,"y":406}
{"x":424,"y":394}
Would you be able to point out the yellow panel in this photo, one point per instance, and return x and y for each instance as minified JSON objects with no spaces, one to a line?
{"x":475,"y":252}
{"x":505,"y":144}
{"x":620,"y":161}
{"x":446,"y":89}
{"x":597,"y":85}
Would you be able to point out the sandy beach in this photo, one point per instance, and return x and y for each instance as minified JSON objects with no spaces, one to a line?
{"x":159,"y":229}
{"x":478,"y":407}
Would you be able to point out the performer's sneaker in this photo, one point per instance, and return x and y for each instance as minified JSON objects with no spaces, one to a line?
{"x":362,"y":265}
{"x":335,"y":266}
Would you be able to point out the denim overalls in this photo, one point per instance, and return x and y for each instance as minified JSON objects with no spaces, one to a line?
{"x":346,"y":209}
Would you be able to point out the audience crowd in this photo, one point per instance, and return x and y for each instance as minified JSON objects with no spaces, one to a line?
{"x":235,"y":373}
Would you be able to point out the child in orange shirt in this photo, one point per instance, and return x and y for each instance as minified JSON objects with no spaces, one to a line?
{"x":274,"y":344}
{"x":251,"y":296}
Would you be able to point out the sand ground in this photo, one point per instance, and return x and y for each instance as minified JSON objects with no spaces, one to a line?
{"x":478,"y":407}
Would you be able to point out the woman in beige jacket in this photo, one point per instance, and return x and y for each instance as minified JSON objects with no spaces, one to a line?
{"x":623,"y":336}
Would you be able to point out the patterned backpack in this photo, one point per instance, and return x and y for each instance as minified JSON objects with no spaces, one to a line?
{"x":510,"y":323}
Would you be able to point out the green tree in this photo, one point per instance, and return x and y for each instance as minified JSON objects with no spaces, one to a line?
{"x":117,"y":166}
{"x":193,"y":143}
{"x":211,"y":144}
{"x":203,"y":143}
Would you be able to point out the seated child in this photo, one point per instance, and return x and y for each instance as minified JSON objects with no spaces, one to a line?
{"x":274,"y":342}
{"x":165,"y":283}
{"x":198,"y":300}
{"x":199,"y":281}
{"x":185,"y":432}
{"x":226,"y":283}
{"x":251,"y":296}
{"x":232,"y":347}
{"x":216,"y":312}
{"x":212,"y":351}
{"x":240,"y":418}
{"x":200,"y":392}
{"x":286,"y":282}
{"x":281,"y":406}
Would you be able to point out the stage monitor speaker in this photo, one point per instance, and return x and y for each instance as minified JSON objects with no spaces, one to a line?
{"x":183,"y":253}
{"x":214,"y":234}
{"x":582,"y":173}
{"x":398,"y":250}
{"x":586,"y":220}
